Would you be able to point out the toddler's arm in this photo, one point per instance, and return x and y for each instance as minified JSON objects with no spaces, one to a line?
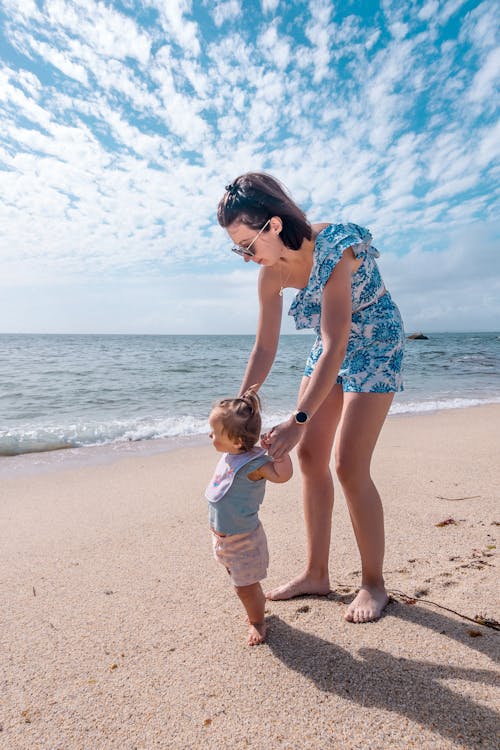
{"x":279,"y":470}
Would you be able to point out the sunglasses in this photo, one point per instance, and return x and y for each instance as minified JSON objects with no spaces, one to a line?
{"x":242,"y":251}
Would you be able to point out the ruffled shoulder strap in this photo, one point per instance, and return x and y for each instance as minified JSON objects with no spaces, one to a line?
{"x":334,"y":239}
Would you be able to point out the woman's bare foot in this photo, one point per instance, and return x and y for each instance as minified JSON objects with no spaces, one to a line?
{"x":367,"y":605}
{"x":300,"y":586}
{"x":256,"y":633}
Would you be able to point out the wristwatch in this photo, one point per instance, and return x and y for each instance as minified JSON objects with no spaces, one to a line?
{"x":300,"y":417}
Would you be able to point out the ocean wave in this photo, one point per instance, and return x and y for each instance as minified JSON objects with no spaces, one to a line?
{"x":53,"y":437}
{"x":39,"y":439}
{"x":416,"y":407}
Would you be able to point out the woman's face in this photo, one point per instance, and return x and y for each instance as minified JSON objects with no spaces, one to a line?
{"x":265,"y":247}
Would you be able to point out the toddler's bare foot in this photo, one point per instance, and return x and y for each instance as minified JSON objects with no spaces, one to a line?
{"x":256,"y":633}
{"x":367,"y":605}
{"x":300,"y":586}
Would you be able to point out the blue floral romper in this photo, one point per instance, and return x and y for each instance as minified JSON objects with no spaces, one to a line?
{"x":374,"y":354}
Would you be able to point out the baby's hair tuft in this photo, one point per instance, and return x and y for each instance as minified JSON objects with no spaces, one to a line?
{"x":240,"y":417}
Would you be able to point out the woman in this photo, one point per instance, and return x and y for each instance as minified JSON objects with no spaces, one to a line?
{"x":350,"y":378}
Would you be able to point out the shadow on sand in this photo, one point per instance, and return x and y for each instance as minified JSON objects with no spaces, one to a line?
{"x":427,"y":616}
{"x":407,"y":687}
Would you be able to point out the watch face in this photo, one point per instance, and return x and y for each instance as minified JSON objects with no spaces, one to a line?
{"x":301,"y":417}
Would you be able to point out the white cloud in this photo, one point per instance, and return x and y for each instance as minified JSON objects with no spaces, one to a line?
{"x":22,"y":12}
{"x":61,"y":61}
{"x":172,"y":17}
{"x":20,"y":102}
{"x":373,"y":38}
{"x":276,"y":48}
{"x":480,"y":26}
{"x":429,"y":10}
{"x":399,"y":30}
{"x":486,"y":79}
{"x":488,"y":149}
{"x":108,"y":32}
{"x":452,"y":188}
{"x":269,"y":6}
{"x":449,"y":9}
{"x":226,"y":10}
{"x":319,"y":34}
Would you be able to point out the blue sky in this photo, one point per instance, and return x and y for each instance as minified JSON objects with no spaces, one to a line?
{"x":122,"y":121}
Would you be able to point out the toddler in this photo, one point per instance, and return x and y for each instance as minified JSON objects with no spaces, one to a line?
{"x":234,"y":496}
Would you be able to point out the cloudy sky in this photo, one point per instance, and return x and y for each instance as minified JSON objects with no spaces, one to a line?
{"x":122,"y":121}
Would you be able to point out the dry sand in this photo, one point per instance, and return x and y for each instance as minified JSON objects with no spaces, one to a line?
{"x":119,"y":630}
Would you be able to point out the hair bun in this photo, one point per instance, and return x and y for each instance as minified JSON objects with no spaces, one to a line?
{"x":251,"y":398}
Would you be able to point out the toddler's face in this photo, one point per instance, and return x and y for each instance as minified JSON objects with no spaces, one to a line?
{"x":219,"y":438}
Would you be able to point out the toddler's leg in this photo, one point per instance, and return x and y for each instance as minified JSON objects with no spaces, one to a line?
{"x":254,"y":602}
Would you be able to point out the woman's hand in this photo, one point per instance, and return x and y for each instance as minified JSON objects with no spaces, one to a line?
{"x":282,"y":438}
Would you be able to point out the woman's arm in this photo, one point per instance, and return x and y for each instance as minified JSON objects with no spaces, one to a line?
{"x":336,"y":319}
{"x":263,"y":353}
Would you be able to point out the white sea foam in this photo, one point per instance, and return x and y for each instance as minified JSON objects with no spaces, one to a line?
{"x":416,"y":407}
{"x":29,"y":439}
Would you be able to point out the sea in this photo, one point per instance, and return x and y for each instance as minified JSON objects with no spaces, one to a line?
{"x":64,"y":396}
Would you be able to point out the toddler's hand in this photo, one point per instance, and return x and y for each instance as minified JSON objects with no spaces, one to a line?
{"x":265,"y":440}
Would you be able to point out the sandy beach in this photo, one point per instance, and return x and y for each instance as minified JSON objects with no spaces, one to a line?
{"x":119,"y":630}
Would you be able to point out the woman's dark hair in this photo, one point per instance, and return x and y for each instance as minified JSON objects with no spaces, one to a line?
{"x":255,"y":197}
{"x":240,"y":417}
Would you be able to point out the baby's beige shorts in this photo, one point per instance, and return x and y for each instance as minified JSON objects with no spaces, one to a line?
{"x":245,"y":556}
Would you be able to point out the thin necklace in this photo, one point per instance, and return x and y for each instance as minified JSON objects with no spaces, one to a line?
{"x":283,"y":283}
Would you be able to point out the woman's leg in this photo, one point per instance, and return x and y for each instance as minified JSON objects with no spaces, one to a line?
{"x":314,"y":452}
{"x":362,"y":418}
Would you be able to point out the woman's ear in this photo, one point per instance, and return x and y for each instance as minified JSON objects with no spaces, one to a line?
{"x":276,"y":225}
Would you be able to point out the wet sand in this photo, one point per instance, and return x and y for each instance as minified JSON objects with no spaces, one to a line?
{"x":119,"y":630}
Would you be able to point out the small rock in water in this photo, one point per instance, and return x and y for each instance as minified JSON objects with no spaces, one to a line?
{"x":417,"y":337}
